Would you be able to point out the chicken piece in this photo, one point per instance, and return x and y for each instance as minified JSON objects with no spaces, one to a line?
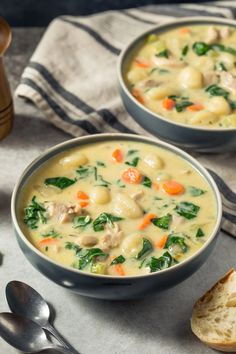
{"x":112,"y":237}
{"x":228,"y":81}
{"x":210,"y":78}
{"x":212,"y":35}
{"x":137,"y":195}
{"x":89,"y":241}
{"x":168,"y":62}
{"x":62,"y":212}
{"x":224,"y":32}
{"x":151,"y":83}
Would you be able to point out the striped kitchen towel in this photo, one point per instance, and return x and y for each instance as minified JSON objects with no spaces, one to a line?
{"x":72,"y":78}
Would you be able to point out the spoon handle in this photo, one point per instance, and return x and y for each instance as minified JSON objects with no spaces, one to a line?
{"x":61,"y":349}
{"x":60,"y":339}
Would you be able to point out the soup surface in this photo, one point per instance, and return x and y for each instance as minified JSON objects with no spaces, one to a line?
{"x":118,"y":208}
{"x":188,"y":75}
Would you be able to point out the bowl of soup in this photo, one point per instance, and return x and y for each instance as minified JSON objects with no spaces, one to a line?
{"x":116,"y":216}
{"x":178,"y":81}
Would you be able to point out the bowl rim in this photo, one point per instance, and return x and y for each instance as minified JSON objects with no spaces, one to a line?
{"x":96,"y":138}
{"x":165,"y":27}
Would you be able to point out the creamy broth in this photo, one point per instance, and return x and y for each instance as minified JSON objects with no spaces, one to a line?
{"x":188,"y":75}
{"x":117,"y":208}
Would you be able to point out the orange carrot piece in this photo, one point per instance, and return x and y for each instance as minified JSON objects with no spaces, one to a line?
{"x":168,"y":103}
{"x":141,"y":63}
{"x":161,"y":243}
{"x":83,"y":204}
{"x":132,"y":176}
{"x":117,"y":155}
{"x":155,"y":186}
{"x":195,"y":107}
{"x":184,"y":30}
{"x":138,"y":96}
{"x":173,"y":187}
{"x":48,"y":241}
{"x":146,"y":221}
{"x":119,"y":269}
{"x":82,"y":195}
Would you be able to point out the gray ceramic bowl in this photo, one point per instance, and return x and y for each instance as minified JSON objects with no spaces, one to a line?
{"x":183,"y":135}
{"x":105,"y":286}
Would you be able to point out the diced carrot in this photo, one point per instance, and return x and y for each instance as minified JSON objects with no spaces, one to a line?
{"x":119,"y":269}
{"x":132,"y":176}
{"x":173,"y":187}
{"x":83,"y":204}
{"x":138,"y":96}
{"x":168,"y":103}
{"x":48,"y":241}
{"x":141,"y":63}
{"x":184,"y":30}
{"x":82,"y":195}
{"x":161,"y":243}
{"x":155,"y":186}
{"x":146,"y":221}
{"x":117,"y":155}
{"x":195,"y":107}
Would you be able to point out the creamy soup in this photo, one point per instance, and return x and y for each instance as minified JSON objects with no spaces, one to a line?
{"x":188,"y":75}
{"x":118,"y":208}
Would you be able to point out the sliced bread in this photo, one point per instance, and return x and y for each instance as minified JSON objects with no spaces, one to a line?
{"x":214,"y":315}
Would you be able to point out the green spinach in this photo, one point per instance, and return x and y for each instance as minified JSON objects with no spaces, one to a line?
{"x":176,"y":239}
{"x":118,"y":260}
{"x":59,"y":182}
{"x":81,"y":221}
{"x":163,"y":262}
{"x":34,"y":214}
{"x":195,"y":192}
{"x":187,"y":210}
{"x":104,"y":218}
{"x":163,"y":222}
{"x":147,"y":182}
{"x":146,"y":248}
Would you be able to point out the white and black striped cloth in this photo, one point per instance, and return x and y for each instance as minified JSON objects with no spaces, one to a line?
{"x":72,"y":78}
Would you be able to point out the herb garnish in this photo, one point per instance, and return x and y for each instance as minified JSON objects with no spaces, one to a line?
{"x":147,"y":182}
{"x":87,"y":256}
{"x":59,"y":182}
{"x":133,"y":162}
{"x":52,"y":233}
{"x":131,"y":152}
{"x":81,"y":221}
{"x":176,"y":239}
{"x":118,"y":260}
{"x":73,"y":246}
{"x":34,"y":214}
{"x":100,"y":163}
{"x":199,"y":233}
{"x":146,"y":248}
{"x":163,"y":54}
{"x":187,"y":210}
{"x":163,"y":222}
{"x":215,"y":90}
{"x":195,"y":192}
{"x":103,"y":219}
{"x":163,"y":262}
{"x":120,"y":183}
{"x":185,"y":50}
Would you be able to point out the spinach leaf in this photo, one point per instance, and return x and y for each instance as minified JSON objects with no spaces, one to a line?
{"x":52,"y":233}
{"x":131,"y":152}
{"x":133,"y":162}
{"x":163,"y":54}
{"x":220,"y":67}
{"x":163,"y":71}
{"x":215,"y":90}
{"x":34,"y":214}
{"x":163,"y":262}
{"x":174,"y":97}
{"x":222,"y":48}
{"x":100,"y":163}
{"x":185,"y":50}
{"x":88,"y":257}
{"x":85,"y":172}
{"x":117,"y":260}
{"x":163,"y":222}
{"x":147,"y":182}
{"x":200,"y":233}
{"x":187,"y":210}
{"x":81,"y":221}
{"x":180,"y":106}
{"x":102,"y":182}
{"x":104,"y":218}
{"x":146,"y":248}
{"x":232,"y":104}
{"x":176,"y":239}
{"x":73,"y":246}
{"x":120,"y":183}
{"x":195,"y":192}
{"x":201,"y":48}
{"x":59,"y":182}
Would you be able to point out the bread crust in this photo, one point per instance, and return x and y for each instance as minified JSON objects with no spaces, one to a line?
{"x":226,"y":346}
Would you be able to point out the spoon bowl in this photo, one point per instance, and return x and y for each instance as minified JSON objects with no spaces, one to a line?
{"x":5,"y":35}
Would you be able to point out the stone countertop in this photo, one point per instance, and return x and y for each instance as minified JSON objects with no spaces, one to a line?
{"x":159,"y":324}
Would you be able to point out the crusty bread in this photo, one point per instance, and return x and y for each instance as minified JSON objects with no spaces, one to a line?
{"x":214,"y":315}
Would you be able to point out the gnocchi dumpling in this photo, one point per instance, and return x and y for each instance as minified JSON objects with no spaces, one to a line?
{"x":203,"y":118}
{"x":191,"y":77}
{"x":136,"y":74}
{"x":100,"y":195}
{"x":131,"y":245}
{"x":160,"y":92}
{"x":74,"y":160}
{"x":126,"y":207}
{"x":219,"y":106}
{"x":154,"y":161}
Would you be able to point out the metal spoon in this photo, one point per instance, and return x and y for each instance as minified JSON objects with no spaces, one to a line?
{"x":25,"y":335}
{"x":23,"y":300}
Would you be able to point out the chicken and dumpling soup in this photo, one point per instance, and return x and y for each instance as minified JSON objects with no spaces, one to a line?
{"x":118,"y":208}
{"x":188,"y":75}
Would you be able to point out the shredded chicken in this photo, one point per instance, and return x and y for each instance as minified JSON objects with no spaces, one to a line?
{"x":210,"y":78}
{"x":112,"y":237}
{"x":137,"y":195}
{"x":228,"y":81}
{"x":168,"y":62}
{"x":212,"y":35}
{"x":63,"y":212}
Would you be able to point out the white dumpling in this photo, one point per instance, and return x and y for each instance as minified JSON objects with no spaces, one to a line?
{"x":154,"y":161}
{"x":100,"y":195}
{"x":126,"y":207}
{"x":74,"y":160}
{"x":190,"y":77}
{"x":131,"y":245}
{"x":219,"y":106}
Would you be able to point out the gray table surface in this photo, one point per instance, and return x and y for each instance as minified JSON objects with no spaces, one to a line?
{"x":158,"y":324}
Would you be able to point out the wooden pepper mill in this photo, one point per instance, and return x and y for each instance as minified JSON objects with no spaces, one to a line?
{"x":6,"y":104}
